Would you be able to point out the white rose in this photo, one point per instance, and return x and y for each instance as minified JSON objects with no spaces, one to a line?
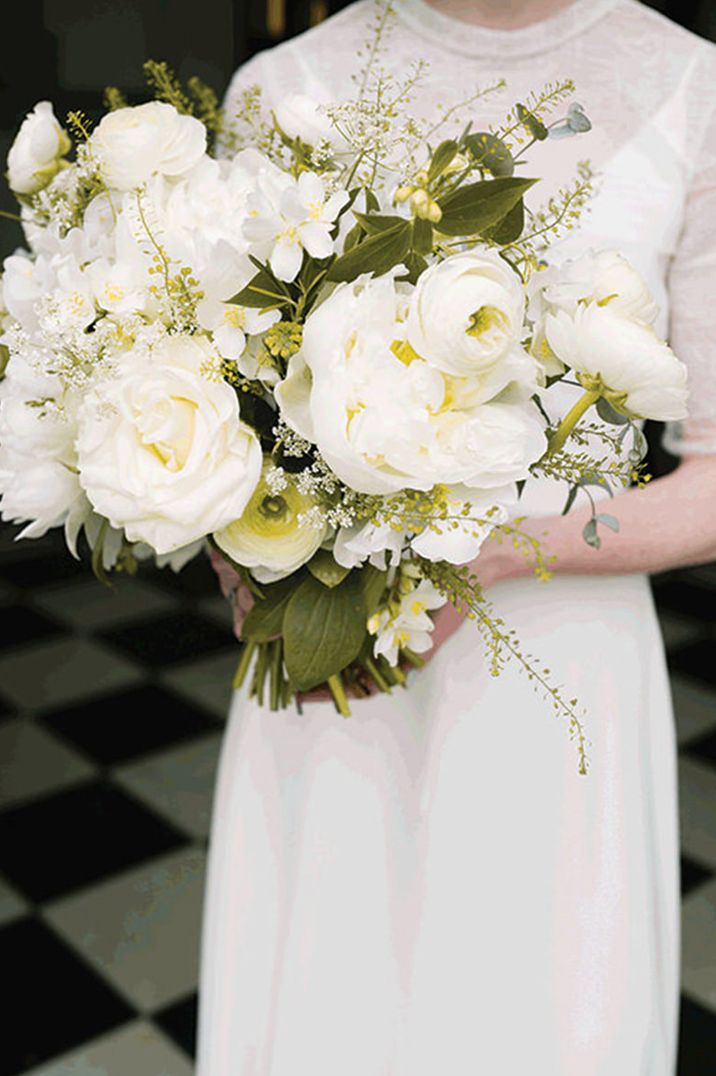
{"x":35,"y":156}
{"x":272,"y":536}
{"x":385,"y":419}
{"x":161,"y":448}
{"x":466,"y":312}
{"x":629,"y":358}
{"x":603,"y":277}
{"x":132,"y":144}
{"x":299,"y":116}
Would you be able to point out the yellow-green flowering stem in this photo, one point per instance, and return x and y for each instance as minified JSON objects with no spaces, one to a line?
{"x":338,"y":691}
{"x":571,"y":419}
{"x":244,"y":661}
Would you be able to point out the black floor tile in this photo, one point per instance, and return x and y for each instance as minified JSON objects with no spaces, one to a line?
{"x":179,"y":1022}
{"x":53,"y":1001}
{"x":696,"y":660}
{"x":115,"y":728}
{"x":692,"y":875}
{"x":76,"y":837}
{"x":197,"y":579}
{"x":680,"y":595}
{"x":20,"y":625}
{"x":705,"y":746}
{"x":167,"y":640}
{"x":697,"y":1040}
{"x":30,"y":573}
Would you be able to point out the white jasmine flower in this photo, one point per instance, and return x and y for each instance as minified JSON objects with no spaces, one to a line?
{"x":628,"y":356}
{"x":466,"y":313}
{"x":290,"y":216}
{"x":116,"y":286}
{"x":271,"y":536}
{"x":161,"y":448}
{"x":411,"y":626}
{"x":35,"y":156}
{"x":230,"y":324}
{"x":132,"y":144}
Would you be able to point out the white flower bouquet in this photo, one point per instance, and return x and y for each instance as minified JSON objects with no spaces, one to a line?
{"x":327,"y":353}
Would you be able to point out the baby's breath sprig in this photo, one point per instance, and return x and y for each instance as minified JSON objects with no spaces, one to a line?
{"x":463,"y":590}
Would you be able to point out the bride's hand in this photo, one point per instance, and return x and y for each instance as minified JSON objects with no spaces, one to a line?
{"x":233,"y":589}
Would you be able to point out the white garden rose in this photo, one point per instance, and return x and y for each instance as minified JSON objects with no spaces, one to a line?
{"x":466,"y":312}
{"x":275,"y":534}
{"x":603,"y":277}
{"x":385,"y":419}
{"x":643,"y":375}
{"x":161,"y":448}
{"x":132,"y":144}
{"x":35,"y":156}
{"x":300,"y":116}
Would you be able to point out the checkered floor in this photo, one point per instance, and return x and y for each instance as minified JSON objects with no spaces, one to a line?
{"x":111,"y":715}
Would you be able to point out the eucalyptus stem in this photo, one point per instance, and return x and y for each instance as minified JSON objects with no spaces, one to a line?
{"x":571,"y":419}
{"x":244,"y":661}
{"x":335,"y":683}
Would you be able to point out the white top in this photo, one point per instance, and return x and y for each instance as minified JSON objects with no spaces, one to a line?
{"x":648,"y":87}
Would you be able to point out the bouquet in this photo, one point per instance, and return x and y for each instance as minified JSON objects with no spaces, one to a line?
{"x":325,"y":349}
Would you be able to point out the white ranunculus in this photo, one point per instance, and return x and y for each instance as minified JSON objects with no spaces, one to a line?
{"x":35,"y":156}
{"x":132,"y":144}
{"x":161,"y":448}
{"x":629,"y":358}
{"x":299,"y":116}
{"x":466,"y":312}
{"x":273,"y":536}
{"x":603,"y":277}
{"x":385,"y":420}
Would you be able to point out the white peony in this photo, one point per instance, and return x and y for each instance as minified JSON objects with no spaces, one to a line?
{"x":603,"y":277}
{"x":466,"y":313}
{"x":300,"y":116}
{"x":274,"y":535}
{"x":641,"y":372}
{"x":35,"y":156}
{"x":387,"y":420}
{"x":132,"y":144}
{"x":161,"y":448}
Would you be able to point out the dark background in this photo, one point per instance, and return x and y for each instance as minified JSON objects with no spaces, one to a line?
{"x":112,"y":708}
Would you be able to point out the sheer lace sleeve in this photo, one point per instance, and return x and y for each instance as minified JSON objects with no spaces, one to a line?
{"x":692,"y":300}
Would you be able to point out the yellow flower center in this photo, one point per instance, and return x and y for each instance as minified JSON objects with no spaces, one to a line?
{"x":404,"y":351}
{"x":486,"y":318}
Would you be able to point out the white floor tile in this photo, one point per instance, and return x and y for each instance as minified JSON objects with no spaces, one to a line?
{"x":697,"y":796}
{"x":48,"y":674}
{"x":136,"y":1049}
{"x":179,"y":783}
{"x":140,"y":929}
{"x":695,"y":709}
{"x":207,"y":681}
{"x":698,"y":971}
{"x":88,"y":605}
{"x":34,"y":762}
{"x":12,"y":905}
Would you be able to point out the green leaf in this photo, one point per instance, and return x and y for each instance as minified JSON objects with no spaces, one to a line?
{"x":371,"y":201}
{"x":490,"y":152}
{"x":609,"y":521}
{"x":375,"y":255}
{"x":520,"y":483}
{"x":372,"y":582}
{"x":261,"y":291}
{"x":472,"y":209}
{"x":533,"y":124}
{"x":373,"y":223}
{"x":326,"y":569}
{"x":323,"y":630}
{"x":589,"y":533}
{"x":441,"y":158}
{"x":352,"y":195}
{"x":570,"y":499}
{"x":510,"y":227}
{"x":264,"y":620}
{"x":609,"y":413}
{"x":415,"y":264}
{"x":422,"y":236}
{"x":353,"y":237}
{"x":255,"y":411}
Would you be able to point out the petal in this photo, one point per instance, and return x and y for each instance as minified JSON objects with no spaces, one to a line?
{"x":316,"y":239}
{"x":286,"y":259}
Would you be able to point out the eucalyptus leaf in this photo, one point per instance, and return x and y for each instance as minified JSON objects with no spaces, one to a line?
{"x":326,"y":568}
{"x":589,"y":533}
{"x":323,"y":630}
{"x":609,"y":521}
{"x":376,"y":255}
{"x":264,"y":620}
{"x":472,"y":209}
{"x":490,"y":152}
{"x":609,"y":413}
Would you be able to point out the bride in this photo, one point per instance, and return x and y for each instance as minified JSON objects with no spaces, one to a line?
{"x":430,"y":888}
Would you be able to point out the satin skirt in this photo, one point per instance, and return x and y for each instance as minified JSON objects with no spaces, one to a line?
{"x":430,"y":888}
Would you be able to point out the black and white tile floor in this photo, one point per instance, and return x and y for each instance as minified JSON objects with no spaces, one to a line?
{"x":111,"y":717}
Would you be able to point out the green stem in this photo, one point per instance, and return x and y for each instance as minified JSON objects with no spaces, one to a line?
{"x":415,"y":660}
{"x":375,"y":672}
{"x":10,"y":216}
{"x":244,"y":661}
{"x":338,"y":691}
{"x":571,"y":419}
{"x":276,"y":678}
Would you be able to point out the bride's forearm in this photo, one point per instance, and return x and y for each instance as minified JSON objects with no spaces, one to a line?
{"x":670,"y":523}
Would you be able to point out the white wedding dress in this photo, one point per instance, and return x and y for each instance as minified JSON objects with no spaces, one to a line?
{"x":430,"y":888}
